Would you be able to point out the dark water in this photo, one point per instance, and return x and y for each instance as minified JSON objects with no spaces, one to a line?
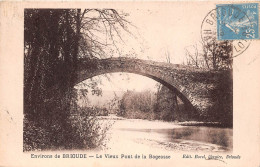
{"x":219,"y":136}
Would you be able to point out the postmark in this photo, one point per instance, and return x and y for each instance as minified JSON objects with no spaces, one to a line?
{"x":216,"y":29}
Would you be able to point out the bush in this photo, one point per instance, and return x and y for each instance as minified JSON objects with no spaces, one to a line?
{"x":63,"y":128}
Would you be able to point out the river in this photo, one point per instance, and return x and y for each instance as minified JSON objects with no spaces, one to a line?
{"x":129,"y":134}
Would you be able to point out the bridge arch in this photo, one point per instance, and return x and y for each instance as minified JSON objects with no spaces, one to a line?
{"x":167,"y":74}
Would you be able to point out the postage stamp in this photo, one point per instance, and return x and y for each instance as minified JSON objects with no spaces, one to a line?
{"x":237,"y":21}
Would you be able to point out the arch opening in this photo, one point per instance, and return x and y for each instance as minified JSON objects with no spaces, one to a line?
{"x":179,"y":94}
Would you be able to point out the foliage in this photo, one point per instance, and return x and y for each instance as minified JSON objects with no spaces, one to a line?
{"x":163,"y":105}
{"x":136,"y":101}
{"x":216,"y":55}
{"x":166,"y":104}
{"x":55,"y":40}
{"x":77,"y":128}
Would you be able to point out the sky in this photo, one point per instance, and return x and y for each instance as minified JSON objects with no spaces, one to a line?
{"x":164,"y":27}
{"x":171,"y":27}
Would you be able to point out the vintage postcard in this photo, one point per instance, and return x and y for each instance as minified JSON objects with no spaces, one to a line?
{"x":149,"y":83}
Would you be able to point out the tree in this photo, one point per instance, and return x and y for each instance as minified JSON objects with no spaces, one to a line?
{"x":55,"y":40}
{"x":133,"y":102}
{"x":216,"y":55}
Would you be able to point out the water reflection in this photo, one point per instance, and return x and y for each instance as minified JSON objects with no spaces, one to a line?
{"x":219,"y":136}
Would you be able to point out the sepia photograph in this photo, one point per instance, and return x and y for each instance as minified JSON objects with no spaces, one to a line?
{"x":88,"y":85}
{"x":163,"y":83}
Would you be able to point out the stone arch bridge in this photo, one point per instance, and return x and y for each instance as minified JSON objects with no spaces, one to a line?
{"x":201,"y":89}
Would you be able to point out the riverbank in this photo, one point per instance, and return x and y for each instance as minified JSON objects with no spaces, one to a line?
{"x":183,"y":123}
